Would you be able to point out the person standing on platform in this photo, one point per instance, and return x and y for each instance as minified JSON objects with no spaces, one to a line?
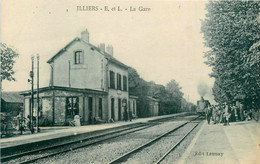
{"x":208,"y":113}
{"x":217,"y":114}
{"x":241,"y":111}
{"x":130,"y":115}
{"x":221,"y":113}
{"x":214,"y":114}
{"x":125,"y":113}
{"x":236,"y":112}
{"x":21,"y":121}
{"x":227,"y":114}
{"x":232,"y":113}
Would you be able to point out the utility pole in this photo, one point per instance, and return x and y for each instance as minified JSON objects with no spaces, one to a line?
{"x":0,"y":92}
{"x":38,"y":104}
{"x":32,"y":98}
{"x":69,"y":74}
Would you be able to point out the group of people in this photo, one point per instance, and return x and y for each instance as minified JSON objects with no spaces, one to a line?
{"x":226,"y":113}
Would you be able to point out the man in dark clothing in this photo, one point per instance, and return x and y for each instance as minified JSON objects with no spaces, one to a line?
{"x":125,"y":114}
{"x":241,"y":111}
{"x":130,"y":115}
{"x":208,"y":113}
{"x":214,"y":113}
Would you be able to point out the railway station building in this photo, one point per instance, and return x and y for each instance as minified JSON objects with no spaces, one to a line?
{"x":85,"y":80}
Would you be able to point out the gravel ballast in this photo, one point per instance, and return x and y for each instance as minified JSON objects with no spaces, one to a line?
{"x":155,"y":151}
{"x":175,"y":155}
{"x":109,"y":150}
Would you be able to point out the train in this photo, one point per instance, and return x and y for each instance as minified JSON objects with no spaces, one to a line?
{"x":202,"y":105}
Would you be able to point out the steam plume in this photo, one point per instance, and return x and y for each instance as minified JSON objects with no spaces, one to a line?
{"x":202,"y":89}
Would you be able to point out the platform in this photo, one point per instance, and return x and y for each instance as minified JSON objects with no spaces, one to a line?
{"x":218,"y":144}
{"x":48,"y":133}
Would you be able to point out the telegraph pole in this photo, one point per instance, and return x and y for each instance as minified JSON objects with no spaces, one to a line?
{"x":32,"y":99}
{"x":0,"y":91}
{"x":69,"y":74}
{"x":38,"y":105}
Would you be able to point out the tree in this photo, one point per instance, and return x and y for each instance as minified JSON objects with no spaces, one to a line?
{"x":7,"y":56}
{"x":7,"y":62}
{"x":138,"y":87}
{"x":156,"y":91}
{"x":174,"y":89}
{"x":252,"y":65}
{"x":230,"y":29}
{"x":170,"y":96}
{"x":175,"y":95}
{"x":252,"y":62}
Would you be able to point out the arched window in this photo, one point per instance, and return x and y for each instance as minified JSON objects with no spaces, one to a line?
{"x":78,"y":56}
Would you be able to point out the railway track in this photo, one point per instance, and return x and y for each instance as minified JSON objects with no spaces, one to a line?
{"x":46,"y":152}
{"x":72,"y":145}
{"x":175,"y":146}
{"x":126,"y":156}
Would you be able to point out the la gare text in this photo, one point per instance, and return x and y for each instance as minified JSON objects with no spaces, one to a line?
{"x":113,"y":8}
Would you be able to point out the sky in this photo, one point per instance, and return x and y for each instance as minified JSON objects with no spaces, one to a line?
{"x":162,"y":43}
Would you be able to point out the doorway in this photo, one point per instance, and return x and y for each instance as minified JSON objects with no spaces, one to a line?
{"x":119,"y":109}
{"x":90,"y":107}
{"x":113,"y":109}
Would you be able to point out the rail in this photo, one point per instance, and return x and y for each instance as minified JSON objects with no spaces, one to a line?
{"x":125,"y":156}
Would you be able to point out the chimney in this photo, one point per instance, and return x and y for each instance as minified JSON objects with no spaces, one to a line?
{"x":110,"y":50}
{"x":85,"y":36}
{"x":102,"y":47}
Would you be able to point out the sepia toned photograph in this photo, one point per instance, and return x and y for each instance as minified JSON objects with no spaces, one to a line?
{"x":138,"y":82}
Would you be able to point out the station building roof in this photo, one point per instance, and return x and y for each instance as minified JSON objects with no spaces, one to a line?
{"x":70,"y":89}
{"x":13,"y":97}
{"x":106,"y":55}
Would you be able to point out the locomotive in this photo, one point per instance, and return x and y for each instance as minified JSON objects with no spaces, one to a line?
{"x":202,"y":105}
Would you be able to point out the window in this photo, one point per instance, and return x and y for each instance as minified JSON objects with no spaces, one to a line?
{"x":112,"y":80}
{"x":124,"y":83}
{"x":78,"y":57}
{"x":119,"y":83}
{"x":100,"y":108}
{"x":72,"y":106}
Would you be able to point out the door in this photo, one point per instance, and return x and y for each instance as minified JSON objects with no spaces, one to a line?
{"x":113,"y":109}
{"x":119,"y":109}
{"x":100,"y":113}
{"x":90,"y":108}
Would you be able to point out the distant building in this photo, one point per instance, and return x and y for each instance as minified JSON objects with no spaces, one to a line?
{"x":148,"y":107}
{"x":85,"y":80}
{"x":12,"y":103}
{"x":153,"y":106}
{"x":132,"y":105}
